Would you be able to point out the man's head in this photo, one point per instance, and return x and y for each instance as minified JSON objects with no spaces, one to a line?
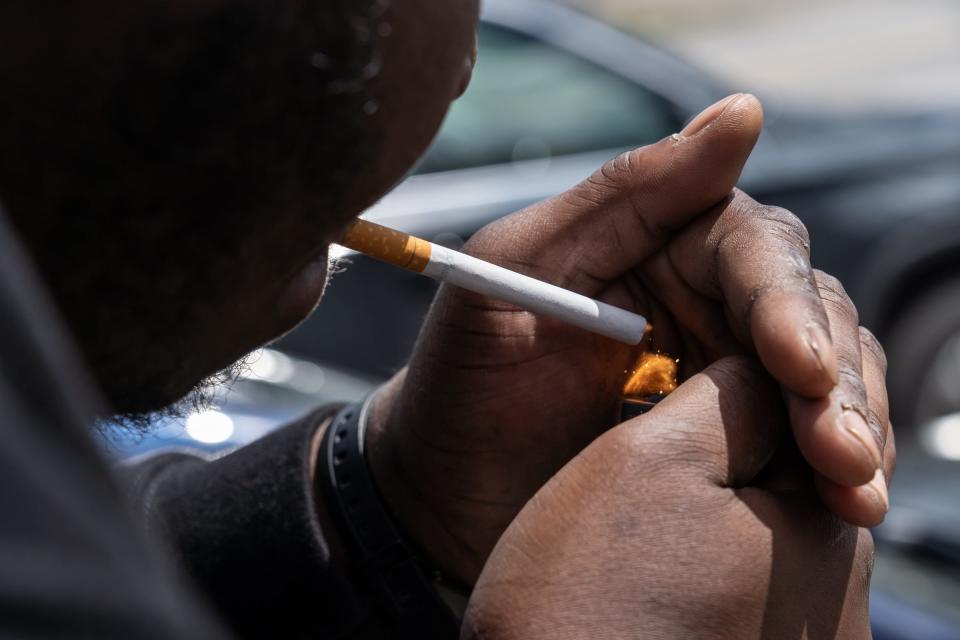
{"x":177,"y":170}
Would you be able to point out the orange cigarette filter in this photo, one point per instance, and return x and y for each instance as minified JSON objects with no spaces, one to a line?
{"x":392,"y":246}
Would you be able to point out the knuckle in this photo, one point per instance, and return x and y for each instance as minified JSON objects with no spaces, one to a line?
{"x":787,"y":220}
{"x":835,"y":297}
{"x":761,"y":291}
{"x":872,"y":347}
{"x":741,"y":204}
{"x":605,"y":183}
{"x":877,"y":426}
{"x":782,"y":223}
{"x":830,"y":284}
{"x":851,"y":382}
{"x":626,"y":178}
{"x":616,"y":170}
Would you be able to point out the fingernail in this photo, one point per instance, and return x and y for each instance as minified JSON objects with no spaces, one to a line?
{"x":708,"y":115}
{"x":821,"y":347}
{"x":856,"y":427}
{"x":879,"y":486}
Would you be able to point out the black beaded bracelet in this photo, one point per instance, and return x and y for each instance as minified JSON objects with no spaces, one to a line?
{"x":398,"y":579}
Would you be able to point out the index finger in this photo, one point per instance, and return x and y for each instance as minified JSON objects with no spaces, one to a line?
{"x":755,"y":259}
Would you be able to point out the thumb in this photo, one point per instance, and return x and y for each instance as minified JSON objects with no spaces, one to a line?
{"x":612,"y":221}
{"x":726,"y":420}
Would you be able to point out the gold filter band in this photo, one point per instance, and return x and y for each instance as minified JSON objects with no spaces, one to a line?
{"x":392,"y":246}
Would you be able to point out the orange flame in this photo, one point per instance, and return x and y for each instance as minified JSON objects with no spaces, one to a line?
{"x":655,"y":373}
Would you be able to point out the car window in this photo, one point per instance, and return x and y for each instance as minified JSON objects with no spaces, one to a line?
{"x":531,"y":100}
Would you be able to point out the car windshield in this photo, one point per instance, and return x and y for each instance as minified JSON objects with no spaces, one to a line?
{"x":529,"y":100}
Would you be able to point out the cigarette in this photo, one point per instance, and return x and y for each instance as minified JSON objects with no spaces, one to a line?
{"x":446,"y":265}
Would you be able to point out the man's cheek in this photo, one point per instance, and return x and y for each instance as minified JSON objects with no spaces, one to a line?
{"x":299,"y":297}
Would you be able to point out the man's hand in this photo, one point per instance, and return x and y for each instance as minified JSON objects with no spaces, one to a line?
{"x":496,"y":400}
{"x":697,"y":520}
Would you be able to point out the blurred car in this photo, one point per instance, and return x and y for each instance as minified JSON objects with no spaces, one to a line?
{"x":554,"y":95}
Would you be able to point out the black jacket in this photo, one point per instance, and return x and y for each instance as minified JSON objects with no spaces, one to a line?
{"x":191,"y":548}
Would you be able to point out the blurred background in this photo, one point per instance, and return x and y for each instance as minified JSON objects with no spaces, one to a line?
{"x":836,"y":54}
{"x":862,"y":142}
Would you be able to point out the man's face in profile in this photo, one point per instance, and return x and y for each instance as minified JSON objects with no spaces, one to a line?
{"x":178,"y":172}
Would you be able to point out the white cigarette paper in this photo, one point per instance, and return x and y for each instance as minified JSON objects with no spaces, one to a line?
{"x":488,"y":279}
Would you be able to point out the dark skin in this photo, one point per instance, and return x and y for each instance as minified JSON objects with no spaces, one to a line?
{"x":222,"y":232}
{"x":746,"y":551}
{"x":154,"y":334}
